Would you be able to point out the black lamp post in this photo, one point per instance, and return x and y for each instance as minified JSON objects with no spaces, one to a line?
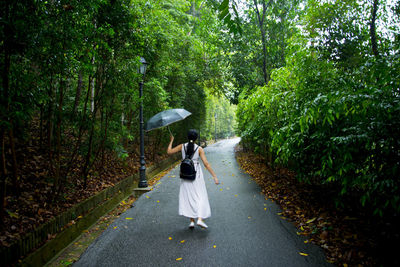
{"x":143,"y":181}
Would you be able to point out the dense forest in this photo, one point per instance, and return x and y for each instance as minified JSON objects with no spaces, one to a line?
{"x":70,"y":95}
{"x":313,"y":86}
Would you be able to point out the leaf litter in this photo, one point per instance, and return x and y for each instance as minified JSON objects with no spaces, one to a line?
{"x":345,"y":238}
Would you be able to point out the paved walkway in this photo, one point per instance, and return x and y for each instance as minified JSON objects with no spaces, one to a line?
{"x":244,"y":229}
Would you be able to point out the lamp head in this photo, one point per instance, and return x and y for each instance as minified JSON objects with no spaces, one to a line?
{"x":143,"y":66}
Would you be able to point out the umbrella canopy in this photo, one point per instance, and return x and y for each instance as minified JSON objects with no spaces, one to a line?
{"x":166,"y":117}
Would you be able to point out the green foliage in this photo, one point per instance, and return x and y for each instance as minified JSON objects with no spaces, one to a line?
{"x":329,"y":116}
{"x":71,"y":71}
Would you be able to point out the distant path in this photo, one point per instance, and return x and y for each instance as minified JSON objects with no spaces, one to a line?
{"x":244,"y":227}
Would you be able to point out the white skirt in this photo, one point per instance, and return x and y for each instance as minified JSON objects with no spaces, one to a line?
{"x":193,"y":197}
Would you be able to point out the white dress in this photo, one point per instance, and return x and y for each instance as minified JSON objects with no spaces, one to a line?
{"x":193,"y":198}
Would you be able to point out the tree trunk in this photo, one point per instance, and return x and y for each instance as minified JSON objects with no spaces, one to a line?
{"x":372,"y":29}
{"x":94,"y":108}
{"x":85,"y":170}
{"x":50,"y":126}
{"x":80,"y":133}
{"x":58,"y":138}
{"x":3,"y":176}
{"x":15,"y":180}
{"x":92,"y":92}
{"x":78,"y":93}
{"x":41,"y":126}
{"x":261,"y":19}
{"x":4,"y":102}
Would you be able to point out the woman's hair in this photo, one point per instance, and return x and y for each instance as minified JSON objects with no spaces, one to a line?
{"x":192,"y":136}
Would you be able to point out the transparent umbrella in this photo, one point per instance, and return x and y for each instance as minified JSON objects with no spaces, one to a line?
{"x":166,"y":117}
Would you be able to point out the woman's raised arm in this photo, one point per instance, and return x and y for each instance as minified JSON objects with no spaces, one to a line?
{"x":171,"y":150}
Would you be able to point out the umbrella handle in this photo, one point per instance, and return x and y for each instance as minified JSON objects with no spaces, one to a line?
{"x":170,"y":131}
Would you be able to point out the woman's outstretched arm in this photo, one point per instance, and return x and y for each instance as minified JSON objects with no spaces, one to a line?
{"x":171,"y":150}
{"x":207,"y":165}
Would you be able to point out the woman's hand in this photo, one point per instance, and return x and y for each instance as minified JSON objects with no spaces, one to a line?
{"x":216,"y":180}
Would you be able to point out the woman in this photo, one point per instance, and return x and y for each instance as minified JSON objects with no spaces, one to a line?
{"x":193,"y":198}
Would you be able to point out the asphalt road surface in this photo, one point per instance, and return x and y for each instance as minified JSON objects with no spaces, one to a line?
{"x":244,"y":228}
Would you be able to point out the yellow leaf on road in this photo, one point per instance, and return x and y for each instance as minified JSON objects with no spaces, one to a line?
{"x":183,"y":241}
{"x":214,"y":246}
{"x":115,"y":227}
{"x":158,"y":201}
{"x":303,"y":254}
{"x":170,"y":238}
{"x":178,"y":259}
{"x":129,"y":218}
{"x":147,"y":197}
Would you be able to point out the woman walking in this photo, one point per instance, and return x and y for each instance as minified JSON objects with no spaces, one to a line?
{"x":193,"y":198}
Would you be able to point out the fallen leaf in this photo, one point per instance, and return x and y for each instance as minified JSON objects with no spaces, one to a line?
{"x":129,"y":218}
{"x":303,"y":254}
{"x":115,"y":227}
{"x":178,"y":259}
{"x":147,"y":197}
{"x":311,"y":220}
{"x":170,"y":238}
{"x":183,"y":241}
{"x":214,"y":246}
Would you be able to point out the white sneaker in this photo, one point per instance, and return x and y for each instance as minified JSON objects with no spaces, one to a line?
{"x":191,"y":225}
{"x":202,"y":224}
